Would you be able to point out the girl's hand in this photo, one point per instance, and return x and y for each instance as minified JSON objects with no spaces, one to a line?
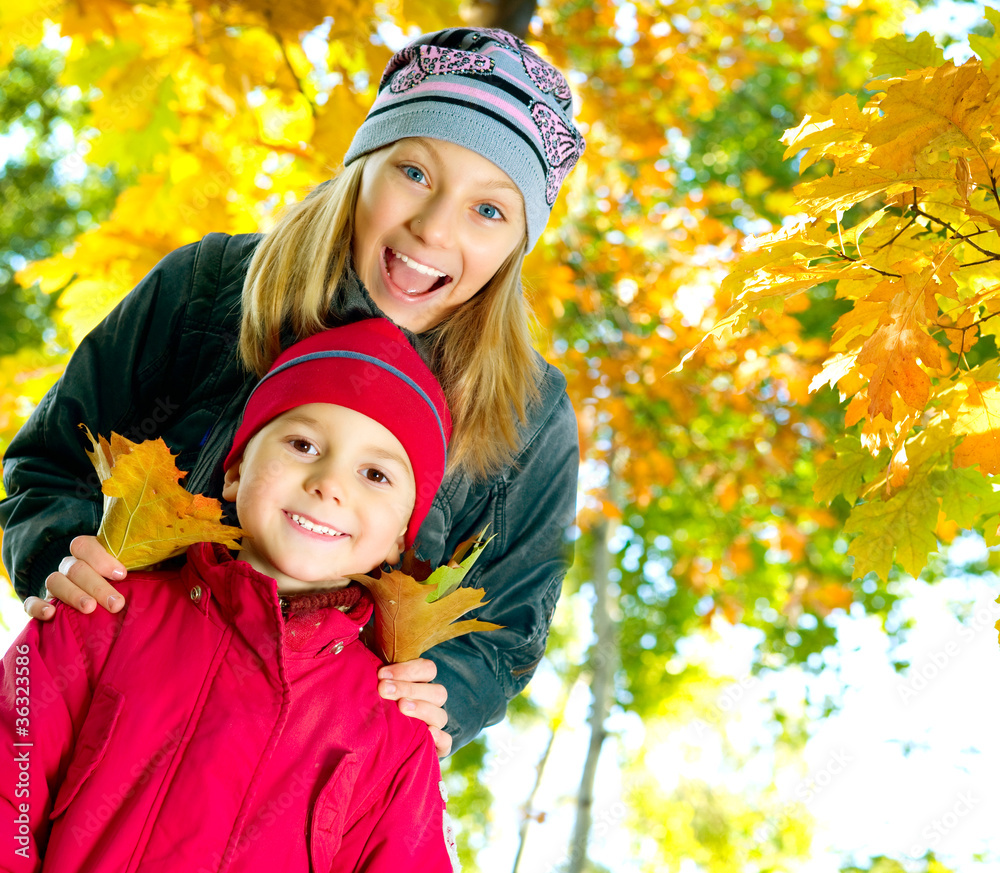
{"x":410,"y":684}
{"x":81,"y":581}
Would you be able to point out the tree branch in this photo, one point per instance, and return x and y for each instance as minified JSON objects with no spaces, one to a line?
{"x":288,"y":65}
{"x":991,"y":256}
{"x":846,"y":257}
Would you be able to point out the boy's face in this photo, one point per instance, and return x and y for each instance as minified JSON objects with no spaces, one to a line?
{"x":323,"y":492}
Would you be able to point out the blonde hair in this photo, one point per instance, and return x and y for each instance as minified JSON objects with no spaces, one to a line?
{"x":482,"y":353}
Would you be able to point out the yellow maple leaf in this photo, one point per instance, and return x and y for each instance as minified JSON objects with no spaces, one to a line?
{"x":411,"y":616}
{"x":977,"y":419}
{"x":148,"y":516}
{"x":945,"y":106}
{"x":818,"y":136}
{"x":847,"y":473}
{"x":848,"y":187}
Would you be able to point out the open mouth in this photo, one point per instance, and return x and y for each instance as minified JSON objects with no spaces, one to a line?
{"x":410,"y":275}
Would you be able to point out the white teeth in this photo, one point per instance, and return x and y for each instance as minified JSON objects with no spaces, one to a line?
{"x":420,"y":268}
{"x":315,"y":528}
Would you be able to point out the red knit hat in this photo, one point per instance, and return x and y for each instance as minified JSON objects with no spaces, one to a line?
{"x":368,"y":366}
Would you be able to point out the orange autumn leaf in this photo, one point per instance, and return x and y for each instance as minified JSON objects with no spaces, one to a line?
{"x":895,"y":352}
{"x":412,"y":615}
{"x":148,"y":516}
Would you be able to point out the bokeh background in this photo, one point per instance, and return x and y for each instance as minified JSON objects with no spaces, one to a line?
{"x":720,"y":692}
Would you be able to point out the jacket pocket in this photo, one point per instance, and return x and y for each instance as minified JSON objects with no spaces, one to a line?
{"x":91,"y":744}
{"x":329,"y":814}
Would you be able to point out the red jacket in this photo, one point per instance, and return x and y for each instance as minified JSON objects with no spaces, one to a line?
{"x":198,"y":730}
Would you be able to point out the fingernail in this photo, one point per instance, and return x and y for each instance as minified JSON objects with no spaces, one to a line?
{"x":86,"y":602}
{"x":409,"y":705}
{"x":118,"y":574}
{"x":113,"y":601}
{"x":389,"y":688}
{"x":385,"y":673}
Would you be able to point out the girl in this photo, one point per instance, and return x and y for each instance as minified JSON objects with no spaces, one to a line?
{"x":447,"y":184}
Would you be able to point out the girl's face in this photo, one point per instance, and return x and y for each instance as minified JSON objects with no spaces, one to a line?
{"x":433,"y":224}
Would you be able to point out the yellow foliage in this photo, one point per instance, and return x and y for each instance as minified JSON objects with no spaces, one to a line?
{"x":917,"y":165}
{"x":943,"y":109}
{"x":977,"y":423}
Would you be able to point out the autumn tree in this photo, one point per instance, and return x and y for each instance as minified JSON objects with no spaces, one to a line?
{"x":905,"y":227}
{"x":48,"y":196}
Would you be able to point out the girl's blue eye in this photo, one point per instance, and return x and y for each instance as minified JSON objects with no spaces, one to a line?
{"x":414,"y":174}
{"x":488,"y":210}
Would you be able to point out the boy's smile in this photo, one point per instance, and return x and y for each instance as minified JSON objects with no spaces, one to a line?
{"x":323,"y":492}
{"x":313,"y":526}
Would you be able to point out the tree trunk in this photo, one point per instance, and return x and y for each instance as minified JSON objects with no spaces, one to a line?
{"x":603,"y":660}
{"x":512,"y":15}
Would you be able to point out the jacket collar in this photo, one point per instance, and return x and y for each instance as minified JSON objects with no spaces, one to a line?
{"x":248,"y":600}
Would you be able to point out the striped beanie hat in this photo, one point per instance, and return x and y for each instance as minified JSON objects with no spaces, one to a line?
{"x":490,"y":92}
{"x":368,"y":366}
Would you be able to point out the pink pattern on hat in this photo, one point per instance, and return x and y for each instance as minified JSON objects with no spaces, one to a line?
{"x":547,"y":78}
{"x":429,"y":60}
{"x":563,"y":146}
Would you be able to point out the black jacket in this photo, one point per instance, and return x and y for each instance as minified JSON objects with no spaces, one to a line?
{"x":165,"y":363}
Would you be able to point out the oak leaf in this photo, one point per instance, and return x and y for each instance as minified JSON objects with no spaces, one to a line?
{"x":148,"y":516}
{"x":413,"y":614}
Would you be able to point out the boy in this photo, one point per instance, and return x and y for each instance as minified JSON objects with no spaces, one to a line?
{"x":228,"y":719}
